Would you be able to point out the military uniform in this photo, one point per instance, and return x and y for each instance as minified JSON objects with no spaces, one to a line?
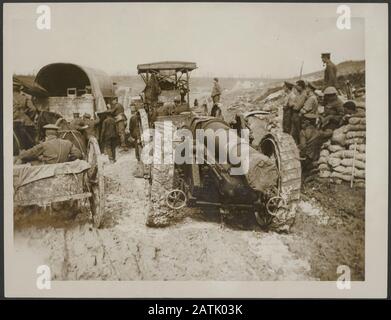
{"x":77,"y":124}
{"x":296,"y":120}
{"x":330,"y":75}
{"x":91,"y":124}
{"x":52,"y":150}
{"x":152,"y":91}
{"x":134,"y":129}
{"x":310,"y":104}
{"x":118,"y":112}
{"x":23,"y":108}
{"x":333,"y":114}
{"x":216,"y":112}
{"x":109,"y":137}
{"x":216,"y":93}
{"x":310,"y":143}
{"x":287,"y":109}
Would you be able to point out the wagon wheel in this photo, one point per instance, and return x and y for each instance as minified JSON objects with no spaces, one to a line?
{"x":96,"y":181}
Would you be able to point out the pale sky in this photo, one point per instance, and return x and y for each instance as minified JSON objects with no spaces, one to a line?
{"x":223,"y":39}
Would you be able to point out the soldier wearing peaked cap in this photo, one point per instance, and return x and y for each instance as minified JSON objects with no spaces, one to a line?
{"x":311,"y":102}
{"x":52,"y":150}
{"x":330,"y":72}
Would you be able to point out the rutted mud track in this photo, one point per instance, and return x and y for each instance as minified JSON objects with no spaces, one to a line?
{"x":200,"y":247}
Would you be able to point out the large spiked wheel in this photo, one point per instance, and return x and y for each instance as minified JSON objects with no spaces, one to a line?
{"x":281,"y":207}
{"x":145,"y":138}
{"x":144,"y":126}
{"x":96,"y":181}
{"x":160,"y":214}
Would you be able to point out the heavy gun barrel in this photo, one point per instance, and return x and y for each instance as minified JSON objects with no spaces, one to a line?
{"x":235,"y":158}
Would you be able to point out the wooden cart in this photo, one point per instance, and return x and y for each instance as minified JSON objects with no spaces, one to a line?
{"x":70,"y":181}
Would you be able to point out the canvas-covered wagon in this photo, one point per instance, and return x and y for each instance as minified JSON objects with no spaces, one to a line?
{"x":73,"y":88}
{"x":78,"y":181}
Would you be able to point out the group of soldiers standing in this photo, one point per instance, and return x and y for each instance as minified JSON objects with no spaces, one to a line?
{"x":108,"y":128}
{"x":302,"y":117}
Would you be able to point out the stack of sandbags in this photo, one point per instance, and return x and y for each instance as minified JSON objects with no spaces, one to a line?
{"x":343,"y":156}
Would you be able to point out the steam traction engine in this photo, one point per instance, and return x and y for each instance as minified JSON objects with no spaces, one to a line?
{"x":270,"y":188}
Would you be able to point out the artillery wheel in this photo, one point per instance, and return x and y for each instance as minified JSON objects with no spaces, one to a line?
{"x":280,"y":214}
{"x":96,"y":181}
{"x":162,"y":185}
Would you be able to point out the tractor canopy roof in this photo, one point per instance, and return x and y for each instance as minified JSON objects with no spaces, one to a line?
{"x":166,"y":65}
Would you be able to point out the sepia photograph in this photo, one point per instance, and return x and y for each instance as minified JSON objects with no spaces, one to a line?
{"x":202,"y":143}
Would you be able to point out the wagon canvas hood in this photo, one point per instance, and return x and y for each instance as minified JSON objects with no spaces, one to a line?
{"x":55,"y":78}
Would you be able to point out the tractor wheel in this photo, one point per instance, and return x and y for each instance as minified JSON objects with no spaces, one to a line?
{"x":280,"y":208}
{"x":96,"y":181}
{"x":145,"y":138}
{"x":165,"y":198}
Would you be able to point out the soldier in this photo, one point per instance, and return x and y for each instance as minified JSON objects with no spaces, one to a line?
{"x":135,"y":131}
{"x":52,"y":150}
{"x":91,"y":125}
{"x":287,"y":108}
{"x":350,"y":109}
{"x":152,"y":91}
{"x":23,"y":107}
{"x":216,"y":111}
{"x":77,"y":123}
{"x":118,"y":113}
{"x":333,"y":109}
{"x":108,"y":135}
{"x":311,"y":103}
{"x":297,"y":105}
{"x":330,"y":72}
{"x":216,"y":91}
{"x":311,"y":140}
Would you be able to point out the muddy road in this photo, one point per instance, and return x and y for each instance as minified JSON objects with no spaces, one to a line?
{"x":201,"y":247}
